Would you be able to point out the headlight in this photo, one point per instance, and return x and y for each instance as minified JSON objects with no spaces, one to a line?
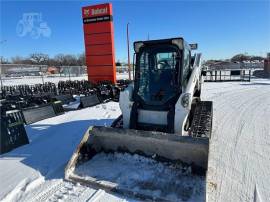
{"x":185,"y":100}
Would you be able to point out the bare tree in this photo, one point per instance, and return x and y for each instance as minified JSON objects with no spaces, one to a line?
{"x":17,"y":60}
{"x":3,"y":60}
{"x":59,"y":59}
{"x":81,"y":59}
{"x":39,"y":58}
{"x":70,"y":60}
{"x":240,"y":58}
{"x":52,"y":62}
{"x":65,"y":60}
{"x":259,"y":58}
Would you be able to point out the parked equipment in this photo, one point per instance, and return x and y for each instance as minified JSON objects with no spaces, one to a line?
{"x":226,"y":75}
{"x":162,"y":114}
{"x":13,"y":133}
{"x":35,"y":114}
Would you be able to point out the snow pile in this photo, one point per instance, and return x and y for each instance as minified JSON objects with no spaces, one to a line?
{"x":145,"y":175}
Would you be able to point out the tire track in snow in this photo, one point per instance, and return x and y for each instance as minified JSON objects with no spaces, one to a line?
{"x":236,"y":128}
{"x":46,"y":191}
{"x":240,"y":141}
{"x":243,"y":123}
{"x":59,"y":190}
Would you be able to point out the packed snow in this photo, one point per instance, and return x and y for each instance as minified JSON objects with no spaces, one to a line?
{"x":145,"y":175}
{"x":239,"y":164}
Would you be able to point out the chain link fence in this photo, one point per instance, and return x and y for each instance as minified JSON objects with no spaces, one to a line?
{"x":18,"y":74}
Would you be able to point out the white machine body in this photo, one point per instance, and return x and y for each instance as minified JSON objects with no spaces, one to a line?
{"x":182,"y":107}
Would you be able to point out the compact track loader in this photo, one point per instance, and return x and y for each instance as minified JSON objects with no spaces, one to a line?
{"x":162,"y":117}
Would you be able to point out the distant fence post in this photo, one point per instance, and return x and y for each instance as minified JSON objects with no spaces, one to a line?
{"x":69,"y":72}
{"x":1,"y":80}
{"x":1,"y":76}
{"x":41,"y":73}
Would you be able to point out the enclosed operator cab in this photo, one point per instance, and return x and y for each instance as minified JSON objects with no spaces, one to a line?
{"x":162,"y":71}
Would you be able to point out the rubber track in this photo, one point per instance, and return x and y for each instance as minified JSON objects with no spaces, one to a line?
{"x":202,"y":120}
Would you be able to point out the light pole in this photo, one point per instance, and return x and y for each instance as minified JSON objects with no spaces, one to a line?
{"x":2,"y":42}
{"x":129,"y":76}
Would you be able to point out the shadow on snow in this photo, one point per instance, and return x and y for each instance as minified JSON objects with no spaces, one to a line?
{"x":51,"y":146}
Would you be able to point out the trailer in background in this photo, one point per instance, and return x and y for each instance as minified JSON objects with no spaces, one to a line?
{"x":227,"y":75}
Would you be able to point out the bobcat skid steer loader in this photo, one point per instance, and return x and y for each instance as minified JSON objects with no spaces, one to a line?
{"x":162,"y":119}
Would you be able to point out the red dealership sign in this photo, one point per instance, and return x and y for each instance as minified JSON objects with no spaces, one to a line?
{"x":99,"y":42}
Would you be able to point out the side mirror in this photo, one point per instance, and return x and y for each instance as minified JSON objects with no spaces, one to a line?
{"x":193,"y":46}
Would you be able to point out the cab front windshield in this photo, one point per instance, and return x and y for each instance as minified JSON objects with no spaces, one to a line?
{"x":158,"y":76}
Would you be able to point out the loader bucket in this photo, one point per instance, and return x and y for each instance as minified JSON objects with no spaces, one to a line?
{"x":163,"y":147}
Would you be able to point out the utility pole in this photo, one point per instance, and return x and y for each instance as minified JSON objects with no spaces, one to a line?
{"x":2,"y":42}
{"x":129,"y":76}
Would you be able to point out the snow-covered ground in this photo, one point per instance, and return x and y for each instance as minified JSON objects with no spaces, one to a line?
{"x":31,"y":80}
{"x":239,"y":164}
{"x":41,"y":163}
